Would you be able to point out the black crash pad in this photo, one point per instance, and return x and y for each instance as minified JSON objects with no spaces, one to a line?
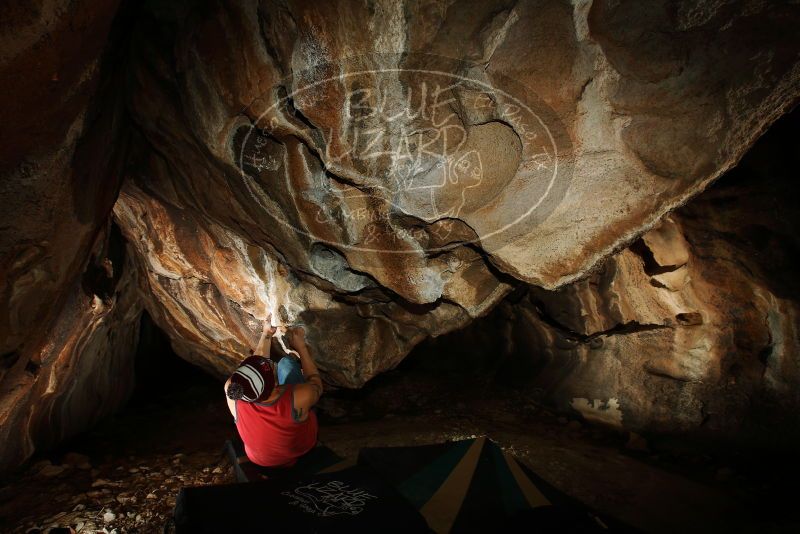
{"x":350,"y":500}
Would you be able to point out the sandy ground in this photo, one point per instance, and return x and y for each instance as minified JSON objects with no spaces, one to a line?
{"x":125,"y":474}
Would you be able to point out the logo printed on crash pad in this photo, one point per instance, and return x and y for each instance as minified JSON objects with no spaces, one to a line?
{"x":329,"y":499}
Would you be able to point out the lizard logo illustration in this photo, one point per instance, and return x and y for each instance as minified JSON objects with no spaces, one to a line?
{"x":466,"y":172}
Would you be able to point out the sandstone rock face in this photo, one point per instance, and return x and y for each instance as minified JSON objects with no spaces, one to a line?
{"x":84,"y":370}
{"x":210,"y":289}
{"x":326,"y":162}
{"x":690,"y":330}
{"x":58,"y":180}
{"x":69,"y":314}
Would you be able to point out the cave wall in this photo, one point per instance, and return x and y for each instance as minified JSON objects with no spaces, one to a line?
{"x":68,"y":320}
{"x":245,"y":201}
{"x":85,"y":368}
{"x":691,"y":331}
{"x":384,"y":172}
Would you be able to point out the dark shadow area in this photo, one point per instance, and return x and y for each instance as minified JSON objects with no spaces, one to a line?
{"x":756,"y":208}
{"x":159,"y":371}
{"x":173,"y":405}
{"x":125,"y":472}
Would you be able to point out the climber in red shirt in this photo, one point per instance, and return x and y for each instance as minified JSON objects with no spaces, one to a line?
{"x":271,"y":403}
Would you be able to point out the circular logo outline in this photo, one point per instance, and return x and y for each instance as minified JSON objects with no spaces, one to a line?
{"x":247,"y":179}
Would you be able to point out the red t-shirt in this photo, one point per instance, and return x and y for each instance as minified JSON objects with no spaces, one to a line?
{"x":271,"y":434}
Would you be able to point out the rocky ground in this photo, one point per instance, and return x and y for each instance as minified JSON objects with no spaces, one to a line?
{"x":124,"y":475}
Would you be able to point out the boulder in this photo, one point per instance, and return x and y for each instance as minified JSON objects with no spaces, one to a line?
{"x":385,"y":173}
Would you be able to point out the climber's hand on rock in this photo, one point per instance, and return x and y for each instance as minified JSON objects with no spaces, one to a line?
{"x":296,"y":337}
{"x":268,"y":329}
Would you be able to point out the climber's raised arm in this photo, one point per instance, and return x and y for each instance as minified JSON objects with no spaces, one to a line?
{"x":264,"y":343}
{"x":262,"y":349}
{"x":307,"y":394}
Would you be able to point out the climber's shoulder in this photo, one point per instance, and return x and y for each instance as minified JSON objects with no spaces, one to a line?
{"x":307,"y":394}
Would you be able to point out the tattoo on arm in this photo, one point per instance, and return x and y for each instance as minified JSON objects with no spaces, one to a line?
{"x":316,"y":384}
